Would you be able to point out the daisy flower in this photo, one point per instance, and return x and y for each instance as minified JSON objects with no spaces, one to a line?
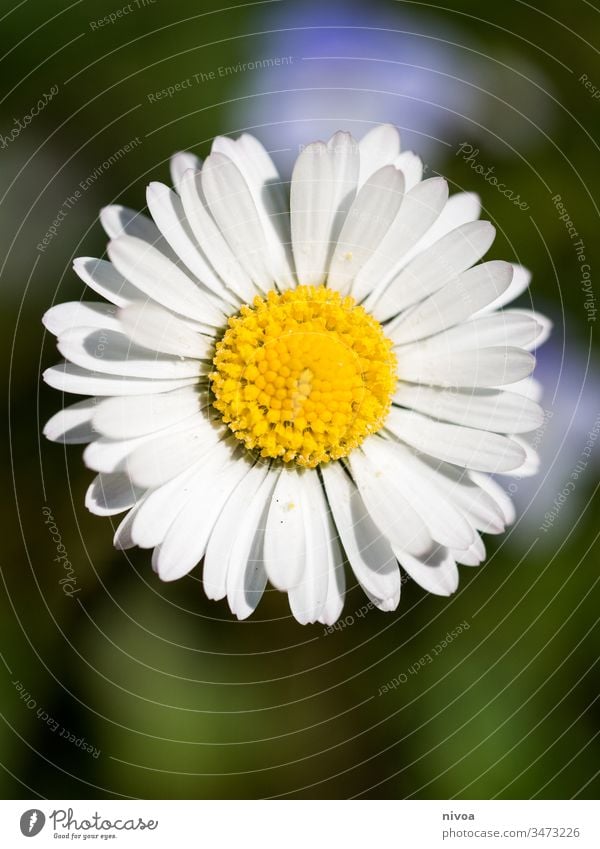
{"x":283,"y":385}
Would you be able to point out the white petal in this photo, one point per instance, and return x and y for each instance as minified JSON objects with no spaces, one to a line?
{"x":162,"y":457}
{"x":121,"y":221}
{"x":389,"y":510}
{"x":271,"y":198}
{"x":460,"y":209}
{"x":507,"y":327}
{"x":264,"y":183}
{"x":111,"y":352}
{"x":128,"y":417}
{"x":284,"y":545}
{"x":420,"y":487}
{"x":420,"y":207}
{"x":122,"y":538}
{"x":153,"y":327}
{"x":531,"y":463}
{"x":246,"y":574}
{"x":72,"y":425}
{"x":433,"y":268}
{"x":463,"y":207}
{"x":309,"y":597}
{"x":311,"y":204}
{"x":110,"y":494}
{"x":103,"y":278}
{"x":463,"y":446}
{"x":223,"y":537}
{"x":336,"y":580}
{"x":472,"y":556}
{"x":211,"y":240}
{"x":162,"y":280}
{"x":477,"y":506}
{"x":252,"y":581}
{"x":253,"y":162}
{"x":520,"y":281}
{"x":234,"y":210}
{"x":344,"y":152}
{"x":70,"y":378}
{"x":369,"y":553}
{"x":118,"y":220}
{"x":411,"y":166}
{"x":167,"y":211}
{"x":65,"y":316}
{"x":481,"y":367}
{"x":454,"y":303}
{"x":322,"y":191}
{"x":436,"y":573}
{"x":379,"y":147}
{"x":543,"y":323}
{"x":179,"y":164}
{"x":162,"y":506}
{"x":495,"y":491}
{"x":185,"y":540}
{"x":374,"y":209}
{"x":485,"y":409}
{"x":110,"y":455}
{"x":529,"y":387}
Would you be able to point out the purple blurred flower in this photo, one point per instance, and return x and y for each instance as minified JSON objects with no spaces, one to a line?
{"x":350,"y":66}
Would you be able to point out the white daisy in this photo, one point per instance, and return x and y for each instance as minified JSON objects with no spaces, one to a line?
{"x":279,"y":387}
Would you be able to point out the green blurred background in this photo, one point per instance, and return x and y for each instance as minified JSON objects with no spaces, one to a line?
{"x":175,"y":697}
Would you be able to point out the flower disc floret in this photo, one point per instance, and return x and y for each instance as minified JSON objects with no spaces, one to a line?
{"x":303,"y":376}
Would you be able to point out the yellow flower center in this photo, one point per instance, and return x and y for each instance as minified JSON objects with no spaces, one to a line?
{"x":303,"y":376}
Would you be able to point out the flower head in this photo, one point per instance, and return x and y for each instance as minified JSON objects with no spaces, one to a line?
{"x":282,"y":385}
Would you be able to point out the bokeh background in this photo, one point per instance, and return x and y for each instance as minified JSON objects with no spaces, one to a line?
{"x":133,"y":688}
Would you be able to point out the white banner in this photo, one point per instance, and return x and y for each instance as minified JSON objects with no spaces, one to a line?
{"x":299,"y":824}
